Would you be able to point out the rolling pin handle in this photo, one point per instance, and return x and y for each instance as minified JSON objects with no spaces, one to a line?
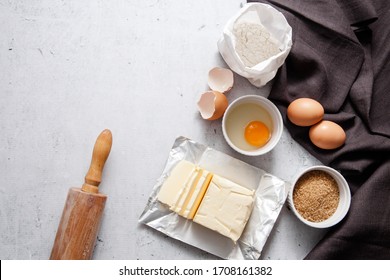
{"x":100,"y":154}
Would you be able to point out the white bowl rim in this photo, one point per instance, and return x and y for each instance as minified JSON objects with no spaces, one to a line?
{"x":276,"y":118}
{"x":342,"y":184}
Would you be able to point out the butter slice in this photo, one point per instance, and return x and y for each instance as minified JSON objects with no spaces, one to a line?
{"x":172,"y":188}
{"x":225,"y":208}
{"x":184,"y":189}
{"x":192,"y":193}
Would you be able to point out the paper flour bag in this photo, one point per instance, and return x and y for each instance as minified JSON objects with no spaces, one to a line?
{"x":255,"y":42}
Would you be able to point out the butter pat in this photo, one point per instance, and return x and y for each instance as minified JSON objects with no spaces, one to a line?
{"x":191,"y":194}
{"x":225,"y":208}
{"x":210,"y":200}
{"x":174,"y":183}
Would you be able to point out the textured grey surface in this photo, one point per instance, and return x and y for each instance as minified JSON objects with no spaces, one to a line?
{"x":69,"y":69}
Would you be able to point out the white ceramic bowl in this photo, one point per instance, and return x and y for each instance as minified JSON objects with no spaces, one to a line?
{"x":344,"y":202}
{"x":271,"y":109}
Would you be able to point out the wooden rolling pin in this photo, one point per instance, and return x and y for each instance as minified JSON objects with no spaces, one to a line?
{"x":80,"y":221}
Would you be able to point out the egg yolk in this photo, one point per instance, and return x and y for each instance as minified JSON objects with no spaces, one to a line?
{"x":257,"y":133}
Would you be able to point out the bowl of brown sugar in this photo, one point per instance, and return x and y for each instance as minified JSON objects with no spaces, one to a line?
{"x":320,"y":197}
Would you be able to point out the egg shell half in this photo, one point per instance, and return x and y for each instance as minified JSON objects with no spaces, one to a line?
{"x":327,"y":135}
{"x":305,"y":112}
{"x":220,"y":79}
{"x":212,"y":105}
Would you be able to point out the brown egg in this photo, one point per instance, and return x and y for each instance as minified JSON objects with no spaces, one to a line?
{"x":305,"y":112}
{"x":327,"y":135}
{"x":212,"y":105}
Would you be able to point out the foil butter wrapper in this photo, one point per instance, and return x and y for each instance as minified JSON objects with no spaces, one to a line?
{"x":270,"y":195}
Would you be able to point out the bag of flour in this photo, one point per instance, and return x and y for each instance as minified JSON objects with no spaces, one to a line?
{"x":255,"y":42}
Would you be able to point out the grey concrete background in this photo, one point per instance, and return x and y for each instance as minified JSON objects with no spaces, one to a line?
{"x":70,"y":69}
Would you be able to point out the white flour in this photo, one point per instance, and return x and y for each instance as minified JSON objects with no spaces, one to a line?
{"x":254,"y":43}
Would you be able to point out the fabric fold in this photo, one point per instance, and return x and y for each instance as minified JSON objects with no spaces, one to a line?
{"x":341,"y":57}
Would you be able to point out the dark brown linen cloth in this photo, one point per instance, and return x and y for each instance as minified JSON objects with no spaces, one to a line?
{"x":341,"y":57}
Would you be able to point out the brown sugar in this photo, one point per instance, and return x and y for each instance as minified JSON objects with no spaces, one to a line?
{"x":316,"y":196}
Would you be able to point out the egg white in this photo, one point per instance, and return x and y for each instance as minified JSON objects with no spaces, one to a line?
{"x":238,"y":119}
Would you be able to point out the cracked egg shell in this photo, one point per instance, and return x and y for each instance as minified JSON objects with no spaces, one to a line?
{"x":212,"y":105}
{"x":220,"y":79}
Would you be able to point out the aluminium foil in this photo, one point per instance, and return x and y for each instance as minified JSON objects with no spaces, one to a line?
{"x":270,"y":195}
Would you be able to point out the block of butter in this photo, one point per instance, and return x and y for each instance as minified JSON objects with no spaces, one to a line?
{"x":208,"y":199}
